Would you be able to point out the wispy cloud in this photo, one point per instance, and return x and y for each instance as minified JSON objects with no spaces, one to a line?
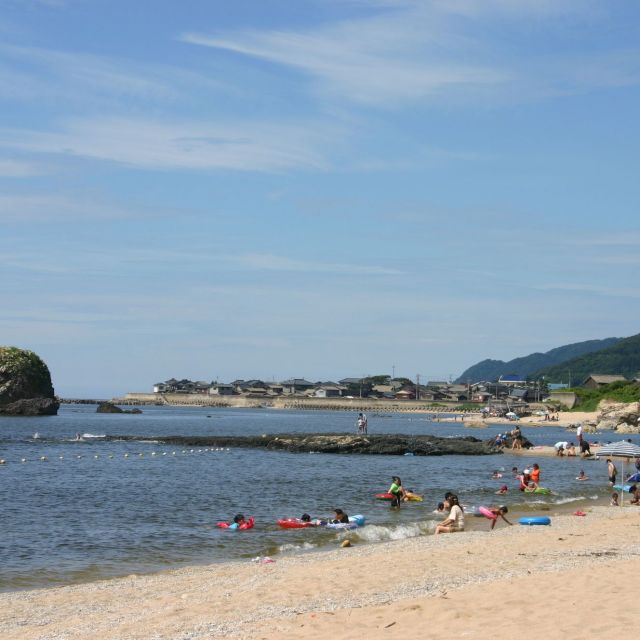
{"x":602,"y":290}
{"x":270,"y":262}
{"x":29,"y":73}
{"x":429,"y":51}
{"x":144,"y":143}
{"x":18,"y":169}
{"x":58,"y":207}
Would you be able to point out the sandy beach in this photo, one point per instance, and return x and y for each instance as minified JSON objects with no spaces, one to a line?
{"x":565,"y":419}
{"x":477,"y":584}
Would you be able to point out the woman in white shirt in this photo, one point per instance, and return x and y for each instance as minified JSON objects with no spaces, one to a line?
{"x":455,"y":519}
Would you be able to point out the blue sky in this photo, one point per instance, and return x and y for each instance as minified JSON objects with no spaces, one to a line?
{"x":314,"y":188}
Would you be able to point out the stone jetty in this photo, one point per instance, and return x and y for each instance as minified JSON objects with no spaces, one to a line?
{"x":379,"y":444}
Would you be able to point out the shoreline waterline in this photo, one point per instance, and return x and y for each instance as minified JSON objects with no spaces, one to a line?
{"x":249,"y":599}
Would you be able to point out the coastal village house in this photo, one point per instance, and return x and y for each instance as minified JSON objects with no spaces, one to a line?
{"x":329,"y":390}
{"x":508,"y":390}
{"x":597,"y":380}
{"x":296,"y":385}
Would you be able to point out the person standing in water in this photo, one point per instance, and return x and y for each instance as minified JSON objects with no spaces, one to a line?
{"x":396,"y":491}
{"x":611,"y":471}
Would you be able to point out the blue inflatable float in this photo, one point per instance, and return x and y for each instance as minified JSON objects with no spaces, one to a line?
{"x":535,"y":520}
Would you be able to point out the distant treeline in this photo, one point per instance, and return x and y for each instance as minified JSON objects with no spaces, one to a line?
{"x":555,"y":365}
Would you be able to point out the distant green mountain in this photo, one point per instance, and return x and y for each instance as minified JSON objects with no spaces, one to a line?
{"x":622,"y":358}
{"x":532,"y":364}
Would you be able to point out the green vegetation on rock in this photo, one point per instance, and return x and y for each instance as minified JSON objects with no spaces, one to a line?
{"x":588,"y":399}
{"x":25,"y":383}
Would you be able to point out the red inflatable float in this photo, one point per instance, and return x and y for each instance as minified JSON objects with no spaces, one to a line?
{"x":385,"y":496}
{"x":234,"y":526}
{"x":294,"y":523}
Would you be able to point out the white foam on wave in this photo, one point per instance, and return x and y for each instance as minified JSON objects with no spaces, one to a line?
{"x":305,"y":546}
{"x":379,"y":533}
{"x":568,"y":500}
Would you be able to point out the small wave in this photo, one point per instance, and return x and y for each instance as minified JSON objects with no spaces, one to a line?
{"x":93,"y":435}
{"x":569,"y":499}
{"x":379,"y":533}
{"x":286,"y":548}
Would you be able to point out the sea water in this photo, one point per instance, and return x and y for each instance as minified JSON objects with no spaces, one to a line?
{"x":81,"y":510}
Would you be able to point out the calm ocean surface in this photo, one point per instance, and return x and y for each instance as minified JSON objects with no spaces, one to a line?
{"x":90,"y":515}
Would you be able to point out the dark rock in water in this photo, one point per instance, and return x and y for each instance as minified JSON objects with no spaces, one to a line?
{"x":389,"y":444}
{"x":31,"y":407}
{"x":109,"y":407}
{"x":25,"y":384}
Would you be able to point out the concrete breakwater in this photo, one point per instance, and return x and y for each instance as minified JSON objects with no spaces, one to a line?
{"x":387,"y":444}
{"x":371,"y":405}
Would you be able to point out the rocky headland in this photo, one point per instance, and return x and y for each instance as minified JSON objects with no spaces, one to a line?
{"x":615,"y":416}
{"x":25,"y":384}
{"x":383,"y":444}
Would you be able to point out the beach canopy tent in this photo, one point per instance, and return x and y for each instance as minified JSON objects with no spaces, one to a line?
{"x":622,"y":449}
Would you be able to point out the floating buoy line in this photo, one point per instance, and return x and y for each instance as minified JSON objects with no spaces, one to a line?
{"x":112,"y":456}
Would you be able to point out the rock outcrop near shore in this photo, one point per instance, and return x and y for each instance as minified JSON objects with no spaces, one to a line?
{"x":25,"y":384}
{"x":389,"y":444}
{"x":618,"y":416}
{"x":109,"y":407}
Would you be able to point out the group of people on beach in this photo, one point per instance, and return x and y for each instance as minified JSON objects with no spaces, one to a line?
{"x":363,"y":424}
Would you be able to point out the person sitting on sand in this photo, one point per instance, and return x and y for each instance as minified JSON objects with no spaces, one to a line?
{"x":570,"y":449}
{"x":614,"y":500}
{"x":496,"y":512}
{"x":341,"y":517}
{"x":502,"y":490}
{"x":635,"y":492}
{"x":582,"y":476}
{"x":455,"y":520}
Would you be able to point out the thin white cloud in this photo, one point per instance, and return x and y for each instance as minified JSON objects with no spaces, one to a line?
{"x":270,"y":262}
{"x":18,"y":169}
{"x":430,"y":51}
{"x":56,"y":207}
{"x":148,"y":144}
{"x":28,"y":73}
{"x":379,"y":60}
{"x":597,"y":289}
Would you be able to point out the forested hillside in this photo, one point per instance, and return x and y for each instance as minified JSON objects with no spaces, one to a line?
{"x":526,"y":366}
{"x":621,"y":358}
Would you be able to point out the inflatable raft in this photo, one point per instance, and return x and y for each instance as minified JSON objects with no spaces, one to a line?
{"x":294,"y":523}
{"x":535,"y":520}
{"x":390,"y":496}
{"x":233,"y":526}
{"x":354,"y":523}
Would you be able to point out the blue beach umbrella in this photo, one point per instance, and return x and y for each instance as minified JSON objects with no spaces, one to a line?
{"x":634,"y":478}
